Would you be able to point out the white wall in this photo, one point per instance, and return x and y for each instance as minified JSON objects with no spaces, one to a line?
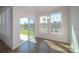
{"x":31,"y":12}
{"x":6,"y":33}
{"x":64,"y":36}
{"x":74,"y":17}
{"x":19,"y":12}
{"x":70,"y":18}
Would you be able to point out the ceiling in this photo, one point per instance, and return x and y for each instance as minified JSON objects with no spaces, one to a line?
{"x":43,"y":8}
{"x":39,"y":8}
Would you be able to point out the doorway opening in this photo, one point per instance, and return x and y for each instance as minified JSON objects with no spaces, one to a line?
{"x":27,"y":29}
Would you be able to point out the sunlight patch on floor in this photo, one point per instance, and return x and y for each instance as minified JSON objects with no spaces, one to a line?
{"x":25,"y":38}
{"x":54,"y":46}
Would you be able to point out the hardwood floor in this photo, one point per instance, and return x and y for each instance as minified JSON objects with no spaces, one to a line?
{"x":41,"y":46}
{"x":3,"y":47}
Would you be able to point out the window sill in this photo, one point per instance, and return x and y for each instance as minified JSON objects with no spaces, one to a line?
{"x":56,"y":33}
{"x":43,"y":32}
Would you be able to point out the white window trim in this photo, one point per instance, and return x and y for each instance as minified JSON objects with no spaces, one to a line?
{"x":60,"y":25}
{"x":49,"y":25}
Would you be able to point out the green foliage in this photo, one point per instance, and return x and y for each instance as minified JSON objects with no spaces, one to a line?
{"x":25,"y":32}
{"x":24,"y":29}
{"x":24,"y":26}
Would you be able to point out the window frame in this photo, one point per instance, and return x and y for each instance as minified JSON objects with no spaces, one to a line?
{"x":47,"y":25}
{"x":60,"y":24}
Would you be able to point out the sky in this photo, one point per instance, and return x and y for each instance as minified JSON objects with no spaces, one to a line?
{"x":25,"y":20}
{"x":54,"y":18}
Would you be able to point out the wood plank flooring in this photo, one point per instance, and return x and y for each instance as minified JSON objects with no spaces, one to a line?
{"x":41,"y":46}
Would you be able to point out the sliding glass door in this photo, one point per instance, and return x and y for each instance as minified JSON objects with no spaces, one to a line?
{"x":24,"y":29}
{"x":27,"y":28}
{"x":31,"y":29}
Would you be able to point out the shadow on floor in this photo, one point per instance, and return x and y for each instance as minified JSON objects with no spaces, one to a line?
{"x":40,"y":46}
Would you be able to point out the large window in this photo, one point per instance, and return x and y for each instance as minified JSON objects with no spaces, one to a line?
{"x":43,"y":24}
{"x":51,"y":23}
{"x":55,"y":22}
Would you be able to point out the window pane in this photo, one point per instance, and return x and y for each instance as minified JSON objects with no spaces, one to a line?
{"x":3,"y":22}
{"x":43,"y":24}
{"x":55,"y":22}
{"x":8,"y":29}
